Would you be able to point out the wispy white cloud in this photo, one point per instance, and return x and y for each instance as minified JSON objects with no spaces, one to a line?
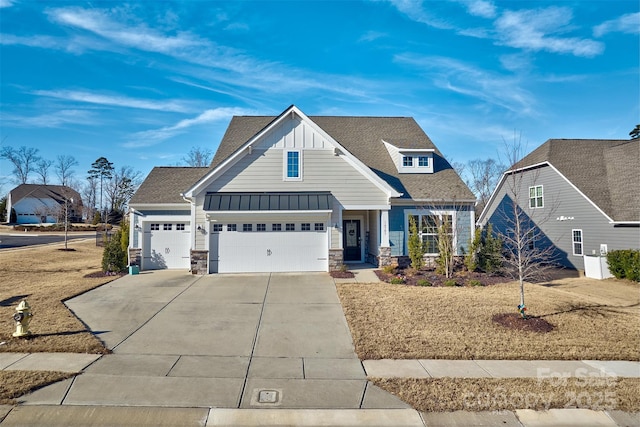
{"x":534,"y":30}
{"x":113,"y":100}
{"x":629,"y":23}
{"x":482,"y":8}
{"x":5,"y":3}
{"x":415,"y":10}
{"x":153,"y":136}
{"x":490,"y":88}
{"x":54,"y":119}
{"x":370,"y":36}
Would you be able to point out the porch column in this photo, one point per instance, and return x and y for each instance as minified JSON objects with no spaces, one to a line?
{"x":384,"y":229}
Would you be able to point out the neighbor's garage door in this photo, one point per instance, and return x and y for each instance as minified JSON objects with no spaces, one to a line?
{"x":166,"y":245}
{"x":268,"y":247}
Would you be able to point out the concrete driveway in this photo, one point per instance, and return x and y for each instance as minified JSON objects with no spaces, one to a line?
{"x":225,"y":341}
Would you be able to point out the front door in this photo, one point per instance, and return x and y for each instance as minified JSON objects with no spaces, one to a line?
{"x":351,"y":240}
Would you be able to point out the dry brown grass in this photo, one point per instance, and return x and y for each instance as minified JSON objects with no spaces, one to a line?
{"x":46,"y":276}
{"x":493,"y":394}
{"x":14,"y":384}
{"x":406,"y":322}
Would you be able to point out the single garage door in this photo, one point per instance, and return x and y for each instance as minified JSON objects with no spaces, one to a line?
{"x":166,"y":245}
{"x":252,"y":247}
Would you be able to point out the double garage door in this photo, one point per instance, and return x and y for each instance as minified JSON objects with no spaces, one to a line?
{"x":166,"y":245}
{"x":255,"y":246}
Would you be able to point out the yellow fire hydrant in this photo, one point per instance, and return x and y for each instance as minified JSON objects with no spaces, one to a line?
{"x":22,"y":318}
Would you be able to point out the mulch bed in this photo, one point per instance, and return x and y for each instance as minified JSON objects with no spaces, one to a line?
{"x":342,"y":274}
{"x":420,"y":277}
{"x":517,"y":322}
{"x":98,"y":274}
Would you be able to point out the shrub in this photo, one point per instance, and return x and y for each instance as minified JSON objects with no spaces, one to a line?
{"x":471,"y":258}
{"x":97,"y":218}
{"x":475,"y":282}
{"x":397,"y":280}
{"x":114,"y":259}
{"x":450,"y":282}
{"x":490,"y":254}
{"x":625,"y":264}
{"x":390,"y":269}
{"x":415,"y":244}
{"x":423,"y":282}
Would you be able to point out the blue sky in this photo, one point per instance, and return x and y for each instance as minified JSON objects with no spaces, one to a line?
{"x":142,"y":82}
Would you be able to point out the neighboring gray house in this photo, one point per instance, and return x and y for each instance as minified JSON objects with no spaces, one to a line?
{"x":42,"y":204}
{"x":299,"y":193}
{"x":583,"y":195}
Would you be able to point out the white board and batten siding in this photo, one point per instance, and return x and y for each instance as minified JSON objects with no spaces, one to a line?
{"x":262,"y":169}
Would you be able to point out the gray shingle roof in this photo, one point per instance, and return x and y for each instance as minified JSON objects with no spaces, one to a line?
{"x":605,"y":170}
{"x":362,"y":137}
{"x":56,"y":192}
{"x":165,"y":184}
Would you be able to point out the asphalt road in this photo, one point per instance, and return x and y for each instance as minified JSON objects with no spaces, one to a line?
{"x":22,"y":239}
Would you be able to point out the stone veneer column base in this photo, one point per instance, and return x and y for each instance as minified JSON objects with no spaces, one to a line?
{"x":385,"y":256}
{"x":336,"y":259}
{"x":135,"y":256}
{"x":199,"y":262}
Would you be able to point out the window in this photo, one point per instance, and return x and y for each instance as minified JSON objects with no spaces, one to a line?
{"x":276,"y":227}
{"x":407,"y":161}
{"x":423,"y":161}
{"x":531,"y":240}
{"x":290,"y":227}
{"x":247,"y":227}
{"x":167,"y":227}
{"x":180,"y":227}
{"x":155,"y":227}
{"x":319,"y":226}
{"x":261,"y":227}
{"x":577,"y":242}
{"x":428,"y":225}
{"x":292,"y":164}
{"x":217,"y":227}
{"x":536,"y":197}
{"x":305,"y":226}
{"x":232,"y":227}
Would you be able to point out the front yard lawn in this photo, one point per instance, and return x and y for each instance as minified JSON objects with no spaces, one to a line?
{"x":412,"y":322}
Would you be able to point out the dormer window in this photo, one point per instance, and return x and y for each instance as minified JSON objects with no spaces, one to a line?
{"x":411,"y":160}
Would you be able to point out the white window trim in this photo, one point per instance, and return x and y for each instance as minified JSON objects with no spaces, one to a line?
{"x":535,"y":198}
{"x":285,"y":158}
{"x":422,"y":212}
{"x":573,"y":242}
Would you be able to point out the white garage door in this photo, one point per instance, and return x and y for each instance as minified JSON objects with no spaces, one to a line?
{"x":166,"y":245}
{"x":268,"y":247}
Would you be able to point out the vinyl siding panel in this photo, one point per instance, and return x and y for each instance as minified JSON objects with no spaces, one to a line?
{"x":262,"y":170}
{"x":562,"y":200}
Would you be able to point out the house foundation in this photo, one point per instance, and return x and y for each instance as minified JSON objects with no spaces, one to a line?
{"x":199,"y":262}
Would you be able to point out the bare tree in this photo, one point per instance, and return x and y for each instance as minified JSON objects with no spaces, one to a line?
{"x":23,"y":159}
{"x":121,"y":187}
{"x":483,"y":178}
{"x":64,"y":168}
{"x":198,"y":157}
{"x":89,"y":193}
{"x":42,"y":170}
{"x":525,"y":258}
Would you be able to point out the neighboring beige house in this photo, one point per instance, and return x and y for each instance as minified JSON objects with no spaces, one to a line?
{"x":299,"y":193}
{"x":42,"y":204}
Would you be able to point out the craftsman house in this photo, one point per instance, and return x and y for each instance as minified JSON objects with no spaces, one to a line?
{"x":582,"y":195}
{"x":299,"y":193}
{"x":43,"y":204}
